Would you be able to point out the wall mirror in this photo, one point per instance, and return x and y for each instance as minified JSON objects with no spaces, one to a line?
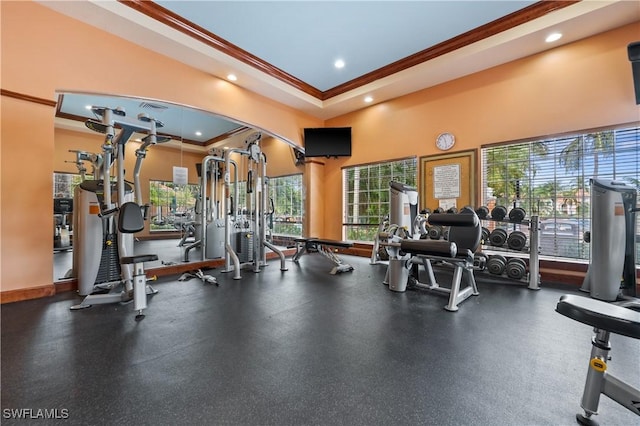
{"x":169,"y":180}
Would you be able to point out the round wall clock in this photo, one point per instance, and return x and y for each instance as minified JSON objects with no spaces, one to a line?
{"x":445,"y":141}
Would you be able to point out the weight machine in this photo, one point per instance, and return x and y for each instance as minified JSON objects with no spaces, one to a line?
{"x":106,"y":217}
{"x":612,"y":269}
{"x":245,"y":239}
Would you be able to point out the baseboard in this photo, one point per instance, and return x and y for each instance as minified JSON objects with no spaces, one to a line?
{"x":21,"y":294}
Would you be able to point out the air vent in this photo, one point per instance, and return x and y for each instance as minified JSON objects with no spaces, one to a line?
{"x":153,"y":107}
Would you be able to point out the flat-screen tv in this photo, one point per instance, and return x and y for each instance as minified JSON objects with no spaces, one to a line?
{"x":327,"y":142}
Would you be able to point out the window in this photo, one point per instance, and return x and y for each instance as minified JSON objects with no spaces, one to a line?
{"x":366,"y":195}
{"x":171,"y":205}
{"x":551,"y":177}
{"x":288,"y":203}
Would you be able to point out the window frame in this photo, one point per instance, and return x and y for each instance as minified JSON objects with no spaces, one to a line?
{"x":350,"y":228}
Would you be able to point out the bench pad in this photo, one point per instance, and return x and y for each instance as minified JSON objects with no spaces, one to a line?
{"x":601,"y":315}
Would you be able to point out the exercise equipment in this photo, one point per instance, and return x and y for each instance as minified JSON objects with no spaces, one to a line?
{"x":499,"y":212}
{"x":452,"y":210}
{"x":106,"y":217}
{"x":517,"y":240}
{"x":397,"y":275}
{"x":613,"y":240}
{"x":245,"y":239}
{"x":62,"y":228}
{"x":435,"y":231}
{"x":324,"y":247}
{"x":482,"y":212}
{"x":516,"y":268}
{"x":517,"y":214}
{"x":485,"y":235}
{"x":464,"y":234}
{"x":403,"y":205}
{"x":480,"y":261}
{"x":496,"y":264}
{"x":498,"y":237}
{"x":605,"y":318}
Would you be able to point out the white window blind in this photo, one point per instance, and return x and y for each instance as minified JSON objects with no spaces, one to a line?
{"x":366,"y":194}
{"x":550,"y":178}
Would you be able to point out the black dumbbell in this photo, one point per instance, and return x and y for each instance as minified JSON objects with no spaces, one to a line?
{"x":485,"y":235}
{"x":517,"y":240}
{"x":517,"y":214}
{"x":452,"y":210}
{"x":479,"y":261}
{"x":425,"y":211}
{"x":499,"y":212}
{"x":466,"y":209}
{"x":498,"y":237}
{"x":445,"y":234}
{"x":496,"y":264}
{"x":482,"y":212}
{"x":439,"y":210}
{"x":516,"y":268}
{"x":435,"y":232}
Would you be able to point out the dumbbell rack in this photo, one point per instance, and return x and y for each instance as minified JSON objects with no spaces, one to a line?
{"x":531,"y":251}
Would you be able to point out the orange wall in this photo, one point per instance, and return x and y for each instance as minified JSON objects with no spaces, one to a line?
{"x":44,"y":52}
{"x":582,"y":85}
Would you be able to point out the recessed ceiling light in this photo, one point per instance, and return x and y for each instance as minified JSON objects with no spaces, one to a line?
{"x":553,"y":37}
{"x":339,"y":63}
{"x":87,"y":106}
{"x":368,"y":99}
{"x":232,"y":77}
{"x":198,"y":133}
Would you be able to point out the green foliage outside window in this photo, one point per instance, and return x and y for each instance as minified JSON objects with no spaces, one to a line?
{"x":366,"y":195}
{"x":553,"y":179}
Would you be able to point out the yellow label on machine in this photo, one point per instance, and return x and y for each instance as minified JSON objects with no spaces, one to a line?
{"x":94,"y":209}
{"x":598,"y":365}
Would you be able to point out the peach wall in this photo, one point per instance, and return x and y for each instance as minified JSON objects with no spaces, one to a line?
{"x":280,"y":159}
{"x":44,"y":52}
{"x":583,"y":85}
{"x":26,"y":165}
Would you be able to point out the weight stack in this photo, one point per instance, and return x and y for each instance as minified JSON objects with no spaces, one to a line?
{"x":244,"y":246}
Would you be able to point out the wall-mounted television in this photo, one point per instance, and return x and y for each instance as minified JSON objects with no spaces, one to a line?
{"x":327,"y":142}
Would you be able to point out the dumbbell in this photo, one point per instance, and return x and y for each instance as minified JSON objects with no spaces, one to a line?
{"x":499,"y":212}
{"x":482,"y":212}
{"x":498,"y":237}
{"x":479,"y":261}
{"x":517,"y":214}
{"x":435,"y":232}
{"x":517,"y":240}
{"x":466,"y":209}
{"x":425,"y":211}
{"x":496,"y":264}
{"x":445,"y":234}
{"x":485,"y":235}
{"x":452,"y":210}
{"x":516,"y":268}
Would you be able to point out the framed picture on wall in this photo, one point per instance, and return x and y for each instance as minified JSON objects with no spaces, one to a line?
{"x":448,"y":180}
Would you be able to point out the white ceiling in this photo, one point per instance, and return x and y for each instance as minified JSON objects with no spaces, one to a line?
{"x":303,"y":38}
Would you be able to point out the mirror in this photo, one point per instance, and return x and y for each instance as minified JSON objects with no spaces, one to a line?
{"x":169,"y":181}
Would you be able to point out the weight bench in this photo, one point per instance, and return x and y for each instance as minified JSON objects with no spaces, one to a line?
{"x":606,"y":318}
{"x":307,"y":245}
{"x":465,"y":233}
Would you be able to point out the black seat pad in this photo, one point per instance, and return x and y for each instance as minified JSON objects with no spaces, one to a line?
{"x":601,"y":315}
{"x":317,"y":241}
{"x":138,"y":258}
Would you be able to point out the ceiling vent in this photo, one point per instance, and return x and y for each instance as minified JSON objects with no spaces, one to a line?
{"x":153,"y":107}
